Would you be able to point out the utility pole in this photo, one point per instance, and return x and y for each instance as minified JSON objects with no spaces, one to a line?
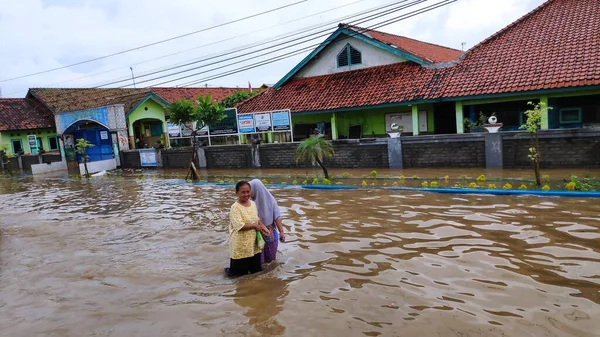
{"x":132,"y":76}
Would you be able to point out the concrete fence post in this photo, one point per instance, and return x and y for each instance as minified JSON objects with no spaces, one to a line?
{"x":255,"y":151}
{"x":394,"y":146}
{"x":493,"y":151}
{"x":201,"y":158}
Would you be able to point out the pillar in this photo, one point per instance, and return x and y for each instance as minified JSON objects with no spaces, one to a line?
{"x":270,"y":137}
{"x":460,"y":125}
{"x":166,"y":135}
{"x":415,"y":120}
{"x":494,"y":155}
{"x":395,"y":153}
{"x":334,"y":133}
{"x":61,"y":147}
{"x":544,"y":106}
{"x":132,"y":143}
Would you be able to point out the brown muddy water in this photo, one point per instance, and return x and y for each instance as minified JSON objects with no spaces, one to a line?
{"x":146,"y":258}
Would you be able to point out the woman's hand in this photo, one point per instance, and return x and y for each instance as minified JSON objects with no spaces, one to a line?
{"x":282,"y":236}
{"x":262,"y":228}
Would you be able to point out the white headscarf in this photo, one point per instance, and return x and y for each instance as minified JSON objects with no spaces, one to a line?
{"x":268,"y":210}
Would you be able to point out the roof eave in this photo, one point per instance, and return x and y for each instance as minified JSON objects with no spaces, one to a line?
{"x":358,"y":36}
{"x":153,"y":96}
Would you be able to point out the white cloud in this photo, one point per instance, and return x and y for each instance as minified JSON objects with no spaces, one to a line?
{"x":45,"y":34}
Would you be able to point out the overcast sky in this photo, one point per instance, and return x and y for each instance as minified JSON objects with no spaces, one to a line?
{"x":38,"y":35}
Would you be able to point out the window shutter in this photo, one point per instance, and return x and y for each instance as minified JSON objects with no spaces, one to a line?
{"x":355,"y":55}
{"x":342,"y":58}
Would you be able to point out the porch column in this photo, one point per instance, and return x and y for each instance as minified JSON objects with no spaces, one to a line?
{"x":415,"y":120}
{"x":61,"y":148}
{"x":544,"y":106}
{"x":334,"y":133}
{"x":460,"y":126}
{"x":166,"y":135}
{"x":131,"y":136}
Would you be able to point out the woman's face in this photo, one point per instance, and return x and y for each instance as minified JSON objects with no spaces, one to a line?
{"x":244,"y":193}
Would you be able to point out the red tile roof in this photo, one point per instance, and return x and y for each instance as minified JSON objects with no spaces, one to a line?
{"x":174,"y":94}
{"x":73,"y":99}
{"x":429,"y":52}
{"x":369,"y":86}
{"x":557,"y":45}
{"x":24,"y":114}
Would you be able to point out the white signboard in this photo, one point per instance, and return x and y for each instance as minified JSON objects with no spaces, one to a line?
{"x":147,"y":157}
{"x":103,"y":135}
{"x":173,"y":130}
{"x":281,"y":120}
{"x":404,"y":119}
{"x":262,"y":122}
{"x":246,"y":123}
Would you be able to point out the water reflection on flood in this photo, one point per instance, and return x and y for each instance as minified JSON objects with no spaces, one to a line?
{"x":146,"y":259}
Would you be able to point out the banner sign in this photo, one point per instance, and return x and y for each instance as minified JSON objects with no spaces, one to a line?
{"x":203,"y":131}
{"x":227,"y":126}
{"x":281,"y":120}
{"x":148,"y":157}
{"x":262,"y":122}
{"x":173,"y":130}
{"x":246,"y":123}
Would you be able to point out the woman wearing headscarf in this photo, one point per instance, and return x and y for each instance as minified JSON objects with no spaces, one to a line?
{"x":270,"y":215}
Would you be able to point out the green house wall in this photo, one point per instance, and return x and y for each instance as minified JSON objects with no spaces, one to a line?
{"x":372,"y":120}
{"x":6,"y":138}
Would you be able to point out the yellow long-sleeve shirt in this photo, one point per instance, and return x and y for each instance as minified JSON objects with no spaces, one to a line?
{"x":242,"y":243}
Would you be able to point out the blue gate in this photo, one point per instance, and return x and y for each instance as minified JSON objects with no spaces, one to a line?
{"x":100,"y":137}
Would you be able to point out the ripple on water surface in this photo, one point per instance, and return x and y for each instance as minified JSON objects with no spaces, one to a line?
{"x":146,"y":259}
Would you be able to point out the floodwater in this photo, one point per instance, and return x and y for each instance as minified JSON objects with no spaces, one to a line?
{"x":146,"y":258}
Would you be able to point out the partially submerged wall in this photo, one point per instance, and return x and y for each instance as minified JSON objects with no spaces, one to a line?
{"x":559,"y":149}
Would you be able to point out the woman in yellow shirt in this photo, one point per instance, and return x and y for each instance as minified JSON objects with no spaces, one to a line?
{"x":243,"y":224}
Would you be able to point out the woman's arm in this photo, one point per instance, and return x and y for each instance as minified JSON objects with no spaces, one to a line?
{"x":237,"y":222}
{"x":279,"y":224}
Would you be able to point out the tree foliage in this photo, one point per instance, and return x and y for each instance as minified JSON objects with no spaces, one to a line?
{"x":80,"y":148}
{"x":532,"y":126}
{"x":236,"y":98}
{"x":204,"y":112}
{"x":195,"y":116}
{"x":315,"y":148}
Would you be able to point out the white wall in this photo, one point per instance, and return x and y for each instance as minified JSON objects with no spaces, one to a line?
{"x":326,"y":61}
{"x":98,"y":166}
{"x":48,"y":168}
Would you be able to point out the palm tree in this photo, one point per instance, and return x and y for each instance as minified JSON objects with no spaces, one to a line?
{"x":315,"y":148}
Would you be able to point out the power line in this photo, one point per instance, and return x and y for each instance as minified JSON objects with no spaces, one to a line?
{"x":295,"y":42}
{"x":300,"y":50}
{"x":155,"y":43}
{"x":281,"y":57}
{"x":209,"y":44}
{"x":301,"y":31}
{"x":358,"y":31}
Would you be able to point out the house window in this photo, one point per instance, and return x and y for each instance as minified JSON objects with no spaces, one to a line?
{"x":53,"y":142}
{"x":17,"y":145}
{"x":570,"y":115}
{"x":349,"y":56}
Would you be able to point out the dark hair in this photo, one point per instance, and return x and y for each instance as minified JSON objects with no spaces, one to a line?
{"x":240,"y":184}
